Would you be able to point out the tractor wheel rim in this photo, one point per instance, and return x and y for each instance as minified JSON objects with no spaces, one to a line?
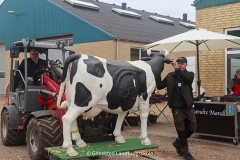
{"x":34,"y":139}
{"x":4,"y":128}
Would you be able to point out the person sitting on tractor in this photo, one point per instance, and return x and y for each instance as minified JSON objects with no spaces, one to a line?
{"x":34,"y":64}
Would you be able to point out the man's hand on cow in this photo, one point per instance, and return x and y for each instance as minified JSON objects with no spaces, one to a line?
{"x":173,"y":62}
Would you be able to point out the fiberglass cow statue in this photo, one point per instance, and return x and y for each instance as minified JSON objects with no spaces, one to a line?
{"x":95,"y":84}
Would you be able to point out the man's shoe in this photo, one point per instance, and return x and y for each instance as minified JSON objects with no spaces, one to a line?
{"x":187,"y":155}
{"x":177,"y":146}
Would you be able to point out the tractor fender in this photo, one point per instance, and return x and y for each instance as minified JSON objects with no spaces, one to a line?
{"x":15,"y":116}
{"x":41,"y":113}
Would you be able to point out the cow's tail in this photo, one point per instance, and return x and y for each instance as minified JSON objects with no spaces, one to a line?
{"x":64,"y":79}
{"x":62,"y":87}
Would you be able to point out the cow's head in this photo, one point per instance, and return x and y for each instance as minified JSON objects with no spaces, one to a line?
{"x":163,"y":53}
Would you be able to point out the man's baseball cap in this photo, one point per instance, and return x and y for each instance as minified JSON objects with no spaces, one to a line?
{"x":182,"y":59}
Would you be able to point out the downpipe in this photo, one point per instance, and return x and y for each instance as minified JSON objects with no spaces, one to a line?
{"x":117,"y":49}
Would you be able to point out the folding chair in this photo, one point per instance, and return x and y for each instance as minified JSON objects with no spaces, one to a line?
{"x":127,"y":124}
{"x":162,"y":111}
{"x":133,"y":121}
{"x":154,"y":100}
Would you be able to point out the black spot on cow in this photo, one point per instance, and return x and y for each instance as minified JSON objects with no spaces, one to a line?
{"x":69,"y":59}
{"x":73,"y":70}
{"x":88,"y":110}
{"x":94,"y":66}
{"x":128,"y":83}
{"x":100,"y":85}
{"x":82,"y":95}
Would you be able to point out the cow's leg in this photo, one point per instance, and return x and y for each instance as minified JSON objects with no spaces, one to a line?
{"x":117,"y":131}
{"x":144,"y":109}
{"x":72,"y":113}
{"x":76,"y":135}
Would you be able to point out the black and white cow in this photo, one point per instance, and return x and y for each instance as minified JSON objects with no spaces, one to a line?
{"x":94,"y":84}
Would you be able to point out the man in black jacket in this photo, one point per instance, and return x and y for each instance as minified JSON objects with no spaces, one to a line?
{"x":34,"y":63}
{"x":180,"y":100}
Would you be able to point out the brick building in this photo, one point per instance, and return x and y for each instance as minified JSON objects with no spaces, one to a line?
{"x":218,"y":67}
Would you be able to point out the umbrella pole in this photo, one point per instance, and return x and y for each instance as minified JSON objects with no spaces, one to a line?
{"x":199,"y":81}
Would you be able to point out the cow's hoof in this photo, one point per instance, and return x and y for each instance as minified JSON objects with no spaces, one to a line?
{"x":119,"y":139}
{"x":73,"y":153}
{"x":146,"y":142}
{"x":80,"y":143}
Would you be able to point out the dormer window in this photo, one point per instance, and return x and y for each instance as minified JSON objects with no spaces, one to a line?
{"x":189,"y":25}
{"x":161,"y":19}
{"x":82,"y":4}
{"x":126,"y":13}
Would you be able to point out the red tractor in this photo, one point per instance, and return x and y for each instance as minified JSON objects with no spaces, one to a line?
{"x":30,"y":114}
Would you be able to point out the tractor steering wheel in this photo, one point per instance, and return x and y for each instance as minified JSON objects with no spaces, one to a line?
{"x":40,"y":70}
{"x":35,"y":76}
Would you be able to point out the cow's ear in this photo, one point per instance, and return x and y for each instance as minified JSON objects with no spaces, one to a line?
{"x":145,"y":58}
{"x":167,"y":60}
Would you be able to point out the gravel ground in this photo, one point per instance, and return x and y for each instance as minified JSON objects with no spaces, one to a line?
{"x":202,"y":148}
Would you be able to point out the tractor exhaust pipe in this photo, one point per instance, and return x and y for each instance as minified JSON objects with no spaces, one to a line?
{"x":48,"y":93}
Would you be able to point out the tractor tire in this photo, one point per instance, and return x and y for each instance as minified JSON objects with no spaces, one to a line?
{"x":41,"y":133}
{"x":10,"y":137}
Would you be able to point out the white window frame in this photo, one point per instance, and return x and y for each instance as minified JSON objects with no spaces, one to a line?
{"x":225,"y":57}
{"x":139,"y":52}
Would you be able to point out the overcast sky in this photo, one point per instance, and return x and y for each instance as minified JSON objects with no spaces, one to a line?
{"x":173,"y":8}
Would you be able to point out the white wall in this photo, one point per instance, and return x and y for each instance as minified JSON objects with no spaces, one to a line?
{"x":2,"y":67}
{"x":191,"y":67}
{"x":54,"y":54}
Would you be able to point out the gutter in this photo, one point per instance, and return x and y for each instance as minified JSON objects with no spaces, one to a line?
{"x":117,"y":45}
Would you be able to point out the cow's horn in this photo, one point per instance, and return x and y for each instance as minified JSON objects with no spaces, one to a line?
{"x":149,"y":51}
{"x":166,"y":52}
